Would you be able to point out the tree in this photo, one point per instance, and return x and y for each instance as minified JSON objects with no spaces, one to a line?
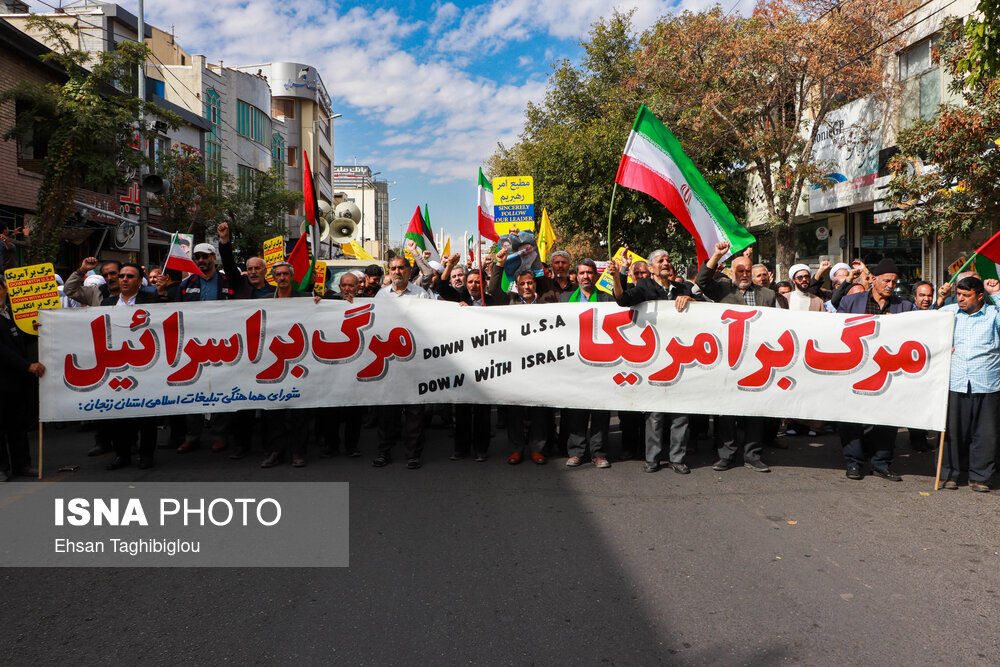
{"x":958,"y":189}
{"x":88,"y":123}
{"x":189,"y":204}
{"x":255,"y":210}
{"x":982,"y":56}
{"x":757,"y":89}
{"x":572,"y":143}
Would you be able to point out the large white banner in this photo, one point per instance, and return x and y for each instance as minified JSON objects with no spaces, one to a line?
{"x":712,"y":359}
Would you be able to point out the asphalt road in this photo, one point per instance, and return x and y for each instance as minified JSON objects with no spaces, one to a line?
{"x":485,"y":563}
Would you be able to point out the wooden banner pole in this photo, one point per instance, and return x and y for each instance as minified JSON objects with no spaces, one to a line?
{"x":937,"y":477}
{"x":39,"y":450}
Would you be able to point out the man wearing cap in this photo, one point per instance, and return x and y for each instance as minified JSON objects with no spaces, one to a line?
{"x":213,"y":287}
{"x":800,"y":298}
{"x":744,"y":292}
{"x":858,"y":439}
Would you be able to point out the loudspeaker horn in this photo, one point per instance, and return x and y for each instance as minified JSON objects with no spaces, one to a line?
{"x":346,"y":218}
{"x":153,"y":183}
{"x":324,"y":228}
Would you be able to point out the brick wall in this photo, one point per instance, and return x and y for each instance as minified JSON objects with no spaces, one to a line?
{"x":18,"y":186}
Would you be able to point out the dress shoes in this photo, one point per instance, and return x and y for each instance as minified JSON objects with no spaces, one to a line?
{"x":888,"y":474}
{"x":188,"y":445}
{"x":854,"y":472}
{"x":413,"y":464}
{"x":538,"y":458}
{"x":353,"y":452}
{"x":145,"y":463}
{"x":514,"y":458}
{"x":722,"y":464}
{"x":118,"y":462}
{"x":97,"y":450}
{"x":978,"y":487}
{"x":648,"y":466}
{"x":273,"y":459}
{"x":950,"y":485}
{"x":680,"y":468}
{"x":756,"y":465}
{"x":382,"y":460}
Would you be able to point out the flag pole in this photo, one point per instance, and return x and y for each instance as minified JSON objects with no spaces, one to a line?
{"x":937,"y":477}
{"x":957,"y":273}
{"x":611,"y":209}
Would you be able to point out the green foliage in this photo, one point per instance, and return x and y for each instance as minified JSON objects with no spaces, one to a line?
{"x":189,"y":205}
{"x":960,"y":193}
{"x":982,"y":33}
{"x":88,"y":123}
{"x":256,"y":214}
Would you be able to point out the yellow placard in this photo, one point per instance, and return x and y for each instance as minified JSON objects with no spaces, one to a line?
{"x":319,"y":286}
{"x":513,"y":204}
{"x":274,"y":251}
{"x":957,"y":265}
{"x":606,"y":283}
{"x":620,"y":258}
{"x":29,"y":289}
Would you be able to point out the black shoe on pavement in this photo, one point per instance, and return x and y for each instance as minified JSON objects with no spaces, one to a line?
{"x":854,"y":472}
{"x":722,"y":464}
{"x":382,"y":460}
{"x":680,"y":468}
{"x":650,"y":467}
{"x":353,"y":452}
{"x":885,"y":473}
{"x":756,"y":465}
{"x":413,"y":464}
{"x":118,"y":462}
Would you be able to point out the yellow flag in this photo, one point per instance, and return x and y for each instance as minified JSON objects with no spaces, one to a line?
{"x":447,"y":248}
{"x":546,"y":236}
{"x":355,"y":250}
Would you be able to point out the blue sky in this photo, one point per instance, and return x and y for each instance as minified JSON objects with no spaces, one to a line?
{"x":426,"y":89}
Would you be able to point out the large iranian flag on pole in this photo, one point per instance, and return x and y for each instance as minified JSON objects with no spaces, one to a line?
{"x":178,"y":259}
{"x":655,"y":163}
{"x":485,"y":210}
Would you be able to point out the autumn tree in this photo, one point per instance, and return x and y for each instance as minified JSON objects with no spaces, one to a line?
{"x":189,"y":204}
{"x":255,"y":210}
{"x":758,"y":88}
{"x":960,"y":191}
{"x":88,"y":123}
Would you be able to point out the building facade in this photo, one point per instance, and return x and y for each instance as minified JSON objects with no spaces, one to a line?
{"x":356,"y":183}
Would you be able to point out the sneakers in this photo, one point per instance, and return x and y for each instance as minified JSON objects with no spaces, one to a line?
{"x":515,"y":458}
{"x":650,"y":466}
{"x":680,"y":468}
{"x":756,"y":465}
{"x":573,"y":462}
{"x":412,"y":464}
{"x":601,"y":462}
{"x":538,"y":458}
{"x":854,"y":472}
{"x":722,"y":464}
{"x":382,"y":460}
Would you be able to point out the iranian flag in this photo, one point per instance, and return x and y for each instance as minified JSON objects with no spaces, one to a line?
{"x":178,"y":259}
{"x":485,"y":210}
{"x":655,"y":163}
{"x":420,"y":233}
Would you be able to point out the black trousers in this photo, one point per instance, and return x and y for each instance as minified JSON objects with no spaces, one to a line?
{"x":528,"y":427}
{"x":633,"y":426}
{"x":972,"y":436}
{"x":285,"y":431}
{"x":861,"y":441}
{"x":14,"y":450}
{"x":472,"y":429}
{"x":125,"y":433}
{"x":753,"y":431}
{"x":401,"y":422}
{"x":329,"y":421}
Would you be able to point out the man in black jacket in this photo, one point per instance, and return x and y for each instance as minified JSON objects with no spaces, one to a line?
{"x":19,"y":391}
{"x":124,"y":432}
{"x":254,"y":284}
{"x":660,"y":286}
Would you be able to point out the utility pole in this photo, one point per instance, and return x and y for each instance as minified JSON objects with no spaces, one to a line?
{"x":143,"y":207}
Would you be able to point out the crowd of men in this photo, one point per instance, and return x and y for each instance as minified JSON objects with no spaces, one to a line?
{"x":537,"y":433}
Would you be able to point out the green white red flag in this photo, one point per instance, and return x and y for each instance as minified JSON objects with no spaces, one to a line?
{"x":485,"y":209}
{"x":988,"y":258}
{"x":655,"y":163}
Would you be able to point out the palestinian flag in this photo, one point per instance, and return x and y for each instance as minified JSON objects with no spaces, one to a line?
{"x":988,"y":258}
{"x":302,"y":261}
{"x":179,"y":260}
{"x":485,"y":209}
{"x":420,"y":233}
{"x":655,"y":163}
